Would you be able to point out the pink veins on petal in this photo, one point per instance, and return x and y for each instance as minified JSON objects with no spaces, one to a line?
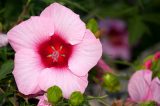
{"x":55,"y":52}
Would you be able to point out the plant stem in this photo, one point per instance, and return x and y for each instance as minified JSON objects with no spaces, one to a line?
{"x":101,"y":101}
{"x":24,"y":11}
{"x":99,"y":97}
{"x":124,"y":63}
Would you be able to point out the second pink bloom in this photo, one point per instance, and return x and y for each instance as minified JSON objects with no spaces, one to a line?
{"x":143,"y":88}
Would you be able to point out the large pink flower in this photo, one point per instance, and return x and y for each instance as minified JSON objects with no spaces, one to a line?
{"x":54,"y":48}
{"x":143,"y":88}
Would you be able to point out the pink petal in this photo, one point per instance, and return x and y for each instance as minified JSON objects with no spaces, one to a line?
{"x":104,"y":66}
{"x":43,"y":101}
{"x":26,"y":71}
{"x":3,"y":40}
{"x":63,"y":78}
{"x":138,"y":86}
{"x":67,"y":24}
{"x":85,"y":55}
{"x":155,"y":89}
{"x":30,"y":33}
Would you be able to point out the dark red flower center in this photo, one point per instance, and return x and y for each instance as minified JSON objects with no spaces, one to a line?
{"x":116,"y":36}
{"x":55,"y":52}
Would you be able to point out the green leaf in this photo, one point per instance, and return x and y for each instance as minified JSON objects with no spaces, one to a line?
{"x":6,"y":68}
{"x":54,"y":94}
{"x":48,"y":1}
{"x":153,"y":18}
{"x":92,"y":25}
{"x":1,"y":27}
{"x":75,"y":4}
{"x":13,"y":101}
{"x":117,"y":10}
{"x":136,"y":30}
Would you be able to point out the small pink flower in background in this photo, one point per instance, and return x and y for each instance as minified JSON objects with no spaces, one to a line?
{"x":157,"y":56}
{"x":54,"y":48}
{"x":43,"y":101}
{"x":148,"y":64}
{"x":3,"y":40}
{"x":115,"y":39}
{"x":143,"y":88}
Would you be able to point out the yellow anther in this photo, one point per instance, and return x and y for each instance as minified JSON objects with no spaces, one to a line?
{"x":53,"y":47}
{"x":63,"y":55}
{"x":50,"y":55}
{"x":61,"y":47}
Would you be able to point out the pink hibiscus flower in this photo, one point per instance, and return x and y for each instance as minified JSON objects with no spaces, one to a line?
{"x":3,"y":40}
{"x":143,"y":88}
{"x":54,"y":48}
{"x":115,"y":39}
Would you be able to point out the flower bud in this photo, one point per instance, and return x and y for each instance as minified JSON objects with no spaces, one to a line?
{"x":93,"y":26}
{"x":148,"y":64}
{"x":156,"y":66}
{"x":111,"y":82}
{"x":54,"y":94}
{"x":157,"y":56}
{"x":76,"y":98}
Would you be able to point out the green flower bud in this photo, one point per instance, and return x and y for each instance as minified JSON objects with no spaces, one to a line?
{"x":156,"y":68}
{"x":111,"y":82}
{"x":156,"y":65}
{"x":93,"y":26}
{"x":54,"y":94}
{"x":151,"y":103}
{"x":76,"y":98}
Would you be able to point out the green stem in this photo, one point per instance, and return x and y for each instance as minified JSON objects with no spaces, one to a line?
{"x":24,"y":11}
{"x":12,"y":100}
{"x":125,"y":77}
{"x":124,"y":63}
{"x":1,"y":90}
{"x":76,"y":5}
{"x":99,"y":97}
{"x":102,"y":102}
{"x":90,"y":13}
